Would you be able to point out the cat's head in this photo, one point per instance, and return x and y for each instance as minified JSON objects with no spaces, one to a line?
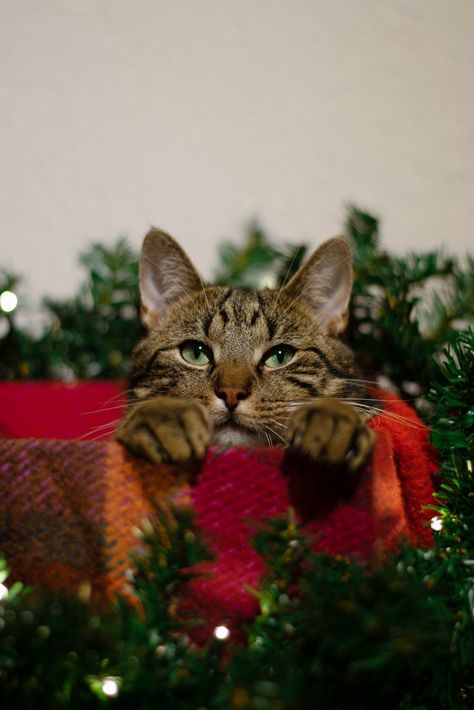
{"x":251,"y":357}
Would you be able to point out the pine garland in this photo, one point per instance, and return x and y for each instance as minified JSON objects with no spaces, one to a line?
{"x":404,"y":310}
{"x":88,"y":336}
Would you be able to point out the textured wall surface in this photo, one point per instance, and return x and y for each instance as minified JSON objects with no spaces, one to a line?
{"x":196,"y":116}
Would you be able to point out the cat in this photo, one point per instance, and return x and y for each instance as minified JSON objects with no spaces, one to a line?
{"x":239,"y":367}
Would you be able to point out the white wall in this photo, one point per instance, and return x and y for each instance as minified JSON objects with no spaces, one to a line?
{"x":196,"y":115}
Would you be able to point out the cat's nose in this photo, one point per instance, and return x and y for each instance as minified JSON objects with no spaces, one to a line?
{"x":232,"y":395}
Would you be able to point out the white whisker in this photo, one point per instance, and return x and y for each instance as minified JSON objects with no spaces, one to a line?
{"x":116,"y":407}
{"x":265,"y":427}
{"x":100,"y":429}
{"x":374,"y":411}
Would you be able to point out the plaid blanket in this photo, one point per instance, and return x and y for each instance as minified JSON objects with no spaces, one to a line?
{"x":68,"y":509}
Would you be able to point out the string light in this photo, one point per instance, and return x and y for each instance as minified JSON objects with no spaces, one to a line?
{"x":8,"y":301}
{"x":3,"y":592}
{"x":436,"y":523}
{"x":222,"y":633}
{"x":268,"y":280}
{"x":110,"y":687}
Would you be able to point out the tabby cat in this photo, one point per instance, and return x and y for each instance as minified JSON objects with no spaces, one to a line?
{"x":237,"y":367}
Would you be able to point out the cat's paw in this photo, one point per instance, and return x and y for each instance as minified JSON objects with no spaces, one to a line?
{"x":331,"y":433}
{"x":166,"y":430}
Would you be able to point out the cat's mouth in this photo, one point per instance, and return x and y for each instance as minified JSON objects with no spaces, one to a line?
{"x":230,"y":432}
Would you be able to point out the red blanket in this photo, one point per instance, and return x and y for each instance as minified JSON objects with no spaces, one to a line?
{"x":69,"y":509}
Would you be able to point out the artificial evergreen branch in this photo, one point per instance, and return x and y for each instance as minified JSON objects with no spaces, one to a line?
{"x":404,"y":310}
{"x":452,"y":397}
{"x":259,"y":263}
{"x":58,"y":652}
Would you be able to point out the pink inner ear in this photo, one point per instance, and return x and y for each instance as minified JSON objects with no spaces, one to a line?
{"x":333,"y":307}
{"x":148,"y":317}
{"x":338,"y":323}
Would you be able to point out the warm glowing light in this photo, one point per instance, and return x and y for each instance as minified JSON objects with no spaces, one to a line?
{"x":3,"y":592}
{"x":222,"y":633}
{"x":436,"y":523}
{"x":110,"y":687}
{"x":8,"y":301}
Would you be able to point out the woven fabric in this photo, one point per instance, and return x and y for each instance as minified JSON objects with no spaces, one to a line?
{"x":69,"y":509}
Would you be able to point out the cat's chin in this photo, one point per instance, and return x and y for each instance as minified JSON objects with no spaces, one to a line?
{"x":232,"y":435}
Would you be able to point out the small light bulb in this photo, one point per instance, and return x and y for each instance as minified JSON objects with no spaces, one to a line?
{"x":436,"y":523}
{"x":3,"y":592}
{"x":110,"y":687}
{"x":222,"y":633}
{"x":8,"y":301}
{"x":268,"y":280}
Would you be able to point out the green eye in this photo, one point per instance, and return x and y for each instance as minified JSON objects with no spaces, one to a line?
{"x":278,"y":356}
{"x":195,"y":353}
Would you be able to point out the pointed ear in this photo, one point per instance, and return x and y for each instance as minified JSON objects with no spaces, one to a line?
{"x":166,"y":274}
{"x":325,"y":281}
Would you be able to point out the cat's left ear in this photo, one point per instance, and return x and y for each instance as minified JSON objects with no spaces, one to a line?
{"x":166,"y":275}
{"x":325,"y":281}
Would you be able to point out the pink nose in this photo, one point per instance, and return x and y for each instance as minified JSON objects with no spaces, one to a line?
{"x":231,"y":395}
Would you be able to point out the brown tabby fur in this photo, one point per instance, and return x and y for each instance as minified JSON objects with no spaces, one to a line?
{"x":176,"y":409}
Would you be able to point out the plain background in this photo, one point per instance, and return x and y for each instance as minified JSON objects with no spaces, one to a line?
{"x":197,"y":115}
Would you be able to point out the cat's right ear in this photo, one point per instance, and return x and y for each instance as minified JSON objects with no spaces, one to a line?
{"x":166,"y":274}
{"x":325,"y":283}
